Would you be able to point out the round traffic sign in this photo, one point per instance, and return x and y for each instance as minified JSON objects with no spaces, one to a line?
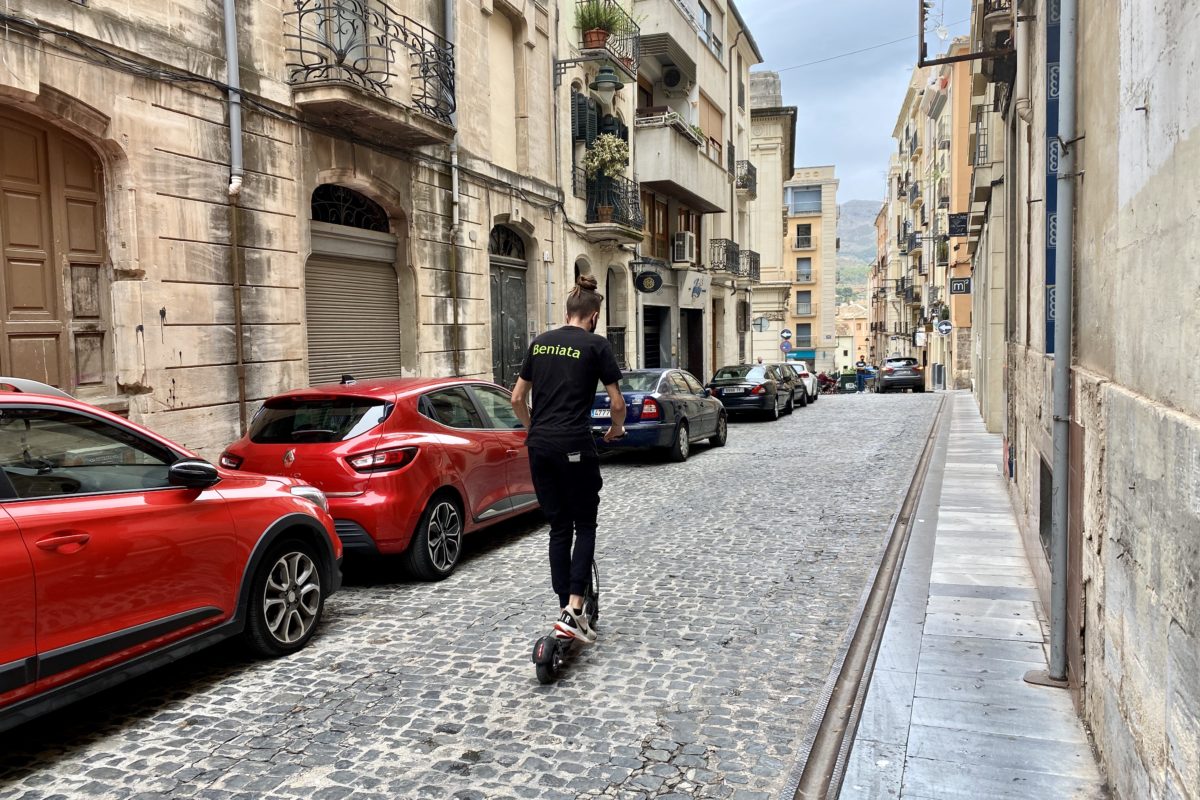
{"x":786,"y":333}
{"x":944,"y":327}
{"x":785,"y":346}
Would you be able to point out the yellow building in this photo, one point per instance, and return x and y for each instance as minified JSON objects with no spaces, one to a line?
{"x":800,"y":296}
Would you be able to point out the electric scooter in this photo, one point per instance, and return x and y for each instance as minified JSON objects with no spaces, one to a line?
{"x":550,"y":651}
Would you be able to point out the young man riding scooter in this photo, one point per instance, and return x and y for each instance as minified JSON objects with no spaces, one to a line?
{"x":561,"y":371}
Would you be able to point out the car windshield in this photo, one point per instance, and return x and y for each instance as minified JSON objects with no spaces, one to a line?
{"x":312,"y":420}
{"x":744,"y":371}
{"x":635,"y":382}
{"x":901,"y":362}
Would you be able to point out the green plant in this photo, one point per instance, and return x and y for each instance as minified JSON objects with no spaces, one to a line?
{"x":696,"y":129}
{"x":599,"y":15}
{"x":607,"y":156}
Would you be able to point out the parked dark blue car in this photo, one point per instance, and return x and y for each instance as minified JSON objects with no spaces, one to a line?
{"x":667,"y":409}
{"x":758,"y":388}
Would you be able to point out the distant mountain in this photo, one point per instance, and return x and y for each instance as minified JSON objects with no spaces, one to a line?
{"x":856,"y":227}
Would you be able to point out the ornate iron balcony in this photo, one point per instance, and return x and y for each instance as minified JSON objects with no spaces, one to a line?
{"x":614,"y":200}
{"x":751,"y":265}
{"x":747,"y":178}
{"x":623,"y":44}
{"x":724,"y":256}
{"x":361,"y":43}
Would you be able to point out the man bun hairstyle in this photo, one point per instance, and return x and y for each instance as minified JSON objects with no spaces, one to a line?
{"x":584,"y":300}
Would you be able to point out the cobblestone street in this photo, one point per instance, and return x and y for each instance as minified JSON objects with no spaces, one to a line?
{"x":728,"y":585}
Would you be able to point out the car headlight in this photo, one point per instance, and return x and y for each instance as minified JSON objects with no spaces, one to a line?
{"x":312,"y":494}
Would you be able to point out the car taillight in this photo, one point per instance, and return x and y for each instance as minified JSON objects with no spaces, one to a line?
{"x":915,"y":368}
{"x":230,"y":461}
{"x":888,"y":370}
{"x":649,"y":408}
{"x":383,"y":459}
{"x":760,"y":389}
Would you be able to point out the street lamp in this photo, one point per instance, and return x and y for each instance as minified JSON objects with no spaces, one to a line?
{"x":606,"y":84}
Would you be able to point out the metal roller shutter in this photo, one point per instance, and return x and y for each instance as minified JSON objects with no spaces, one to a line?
{"x":353,"y":313}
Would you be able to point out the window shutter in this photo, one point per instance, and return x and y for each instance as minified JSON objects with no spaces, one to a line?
{"x":579,"y":110}
{"x":592,"y":129}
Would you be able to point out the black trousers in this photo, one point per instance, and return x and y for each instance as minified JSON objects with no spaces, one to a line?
{"x":569,"y":493}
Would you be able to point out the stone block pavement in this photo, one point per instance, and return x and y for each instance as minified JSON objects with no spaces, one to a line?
{"x":947,"y":714}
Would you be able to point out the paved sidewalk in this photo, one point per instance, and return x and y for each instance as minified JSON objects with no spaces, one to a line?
{"x":948,"y":714}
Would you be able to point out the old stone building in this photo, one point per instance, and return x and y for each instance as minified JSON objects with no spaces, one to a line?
{"x":361,"y":191}
{"x":1130,"y":428}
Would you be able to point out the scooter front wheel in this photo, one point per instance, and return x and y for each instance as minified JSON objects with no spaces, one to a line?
{"x":547,"y":658}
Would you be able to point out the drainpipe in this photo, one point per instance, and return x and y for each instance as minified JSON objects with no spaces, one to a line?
{"x":233,"y":80}
{"x":450,"y":11}
{"x":1063,"y":293}
{"x":733,"y":190}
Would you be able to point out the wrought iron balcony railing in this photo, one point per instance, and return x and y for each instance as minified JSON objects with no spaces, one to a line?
{"x":803,"y":243}
{"x":804,"y":277}
{"x":365,"y":43}
{"x":623,"y":43}
{"x":914,"y":193}
{"x":747,"y":178}
{"x":804,"y":309}
{"x":751,"y":265}
{"x":724,"y":256}
{"x":610,"y":200}
{"x":912,"y":295}
{"x":803,"y":343}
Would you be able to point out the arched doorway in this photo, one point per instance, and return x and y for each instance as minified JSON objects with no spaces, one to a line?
{"x":54,"y":295}
{"x":351,"y":289}
{"x":510,"y":314}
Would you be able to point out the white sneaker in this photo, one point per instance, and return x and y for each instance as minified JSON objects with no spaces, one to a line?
{"x":574,"y":625}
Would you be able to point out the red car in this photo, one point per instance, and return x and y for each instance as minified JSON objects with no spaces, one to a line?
{"x":120,"y":551}
{"x":409,"y":465}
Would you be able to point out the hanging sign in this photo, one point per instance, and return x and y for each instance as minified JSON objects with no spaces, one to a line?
{"x":648,"y":282}
{"x":960,"y":286}
{"x":958,"y":224}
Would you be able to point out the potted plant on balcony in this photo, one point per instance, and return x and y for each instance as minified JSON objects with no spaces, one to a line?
{"x":597,"y":20}
{"x":605,"y":160}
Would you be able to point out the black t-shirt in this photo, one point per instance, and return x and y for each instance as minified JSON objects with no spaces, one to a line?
{"x":564,"y":365}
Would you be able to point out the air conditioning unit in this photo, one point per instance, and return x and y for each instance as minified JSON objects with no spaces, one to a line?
{"x":683,"y":247}
{"x":675,"y":84}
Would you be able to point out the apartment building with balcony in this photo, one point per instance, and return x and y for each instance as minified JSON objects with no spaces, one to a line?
{"x":773,"y":150}
{"x":381,"y":201}
{"x":691,"y":144}
{"x":888,"y":319}
{"x":801,"y":295}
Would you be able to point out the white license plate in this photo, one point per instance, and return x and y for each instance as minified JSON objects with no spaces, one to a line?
{"x":737,"y":390}
{"x":602,"y":413}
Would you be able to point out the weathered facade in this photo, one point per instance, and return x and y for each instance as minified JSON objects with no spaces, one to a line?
{"x":1133,"y":523}
{"x":411,"y":198}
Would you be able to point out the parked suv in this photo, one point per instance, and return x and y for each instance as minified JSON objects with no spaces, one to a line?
{"x":900,"y":373}
{"x":120,"y":551}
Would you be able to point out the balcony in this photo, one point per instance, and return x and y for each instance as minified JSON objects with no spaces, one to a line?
{"x":802,"y":243}
{"x":364,"y":68}
{"x":915,"y":147}
{"x":619,"y":47}
{"x":901,"y":285}
{"x":750,"y":266}
{"x":916,"y":243}
{"x":614,"y":208}
{"x":669,"y":161}
{"x":724,"y":256}
{"x":804,"y":277}
{"x":914,"y":195}
{"x":912,"y":296}
{"x":747,"y":179}
{"x":804,"y":309}
{"x":803,"y":342}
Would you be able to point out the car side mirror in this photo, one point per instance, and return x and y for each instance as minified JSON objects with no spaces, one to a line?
{"x":707,"y":392}
{"x":192,"y":473}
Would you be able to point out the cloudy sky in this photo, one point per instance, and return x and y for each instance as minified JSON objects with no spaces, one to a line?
{"x":847,"y":106}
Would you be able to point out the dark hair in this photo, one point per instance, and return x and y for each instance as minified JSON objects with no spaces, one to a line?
{"x":584,"y":300}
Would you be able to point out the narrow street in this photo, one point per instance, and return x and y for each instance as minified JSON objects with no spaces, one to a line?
{"x":725,"y":599}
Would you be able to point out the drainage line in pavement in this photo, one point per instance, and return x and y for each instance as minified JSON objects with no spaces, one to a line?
{"x":831,"y":733}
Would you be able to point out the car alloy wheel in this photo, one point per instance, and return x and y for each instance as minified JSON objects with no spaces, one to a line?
{"x":292,"y":597}
{"x":444,"y":538}
{"x":722,"y":435}
{"x":682,"y":445}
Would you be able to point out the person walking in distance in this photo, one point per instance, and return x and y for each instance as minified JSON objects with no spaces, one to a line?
{"x":860,"y":371}
{"x":560,"y":373}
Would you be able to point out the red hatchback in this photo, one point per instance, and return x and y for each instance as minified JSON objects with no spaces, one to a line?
{"x":409,"y":465}
{"x":121,"y":551}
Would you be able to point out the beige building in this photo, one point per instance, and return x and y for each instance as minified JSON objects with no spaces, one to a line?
{"x":394,"y":194}
{"x":853,"y":321}
{"x":888,"y":315}
{"x":801,"y":297}
{"x":1132,"y":443}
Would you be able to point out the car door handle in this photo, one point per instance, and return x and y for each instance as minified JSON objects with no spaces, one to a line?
{"x":58,"y":542}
